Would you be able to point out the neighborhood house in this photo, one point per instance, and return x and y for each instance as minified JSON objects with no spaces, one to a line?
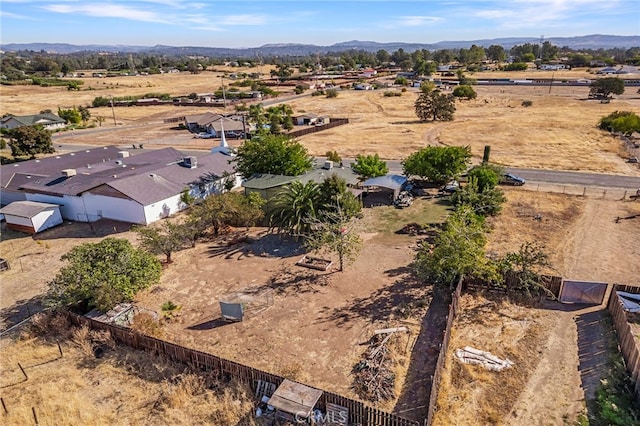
{"x":47,"y":120}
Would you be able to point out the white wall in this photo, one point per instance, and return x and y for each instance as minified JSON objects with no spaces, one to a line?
{"x":18,"y":220}
{"x":46,"y":219}
{"x":164,"y":208}
{"x":8,"y":196}
{"x":125,"y":210}
{"x":71,"y":207}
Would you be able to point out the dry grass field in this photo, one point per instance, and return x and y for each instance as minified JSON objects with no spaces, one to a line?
{"x":470,"y":394}
{"x":557,"y":132}
{"x":123,"y":387}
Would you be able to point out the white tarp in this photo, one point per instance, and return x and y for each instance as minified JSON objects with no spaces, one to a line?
{"x":469,"y":355}
{"x":630,"y":301}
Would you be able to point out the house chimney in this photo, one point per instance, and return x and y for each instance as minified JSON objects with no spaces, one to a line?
{"x":123,"y":154}
{"x":328,"y":165}
{"x":69,"y":172}
{"x":190,"y":162}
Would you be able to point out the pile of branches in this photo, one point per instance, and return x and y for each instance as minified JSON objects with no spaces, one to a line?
{"x":373,"y":379}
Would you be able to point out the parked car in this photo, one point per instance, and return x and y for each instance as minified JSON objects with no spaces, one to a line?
{"x":450,"y":187}
{"x":236,"y":135}
{"x":510,"y":179}
{"x":204,"y":136}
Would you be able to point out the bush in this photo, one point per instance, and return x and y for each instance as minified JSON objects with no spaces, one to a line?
{"x":527,"y":103}
{"x":516,"y":66}
{"x":331,"y":93}
{"x":390,"y":94}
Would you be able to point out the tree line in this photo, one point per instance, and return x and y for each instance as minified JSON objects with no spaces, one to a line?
{"x":18,"y":65}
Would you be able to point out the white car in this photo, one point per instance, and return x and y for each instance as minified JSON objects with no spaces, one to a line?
{"x":204,"y":136}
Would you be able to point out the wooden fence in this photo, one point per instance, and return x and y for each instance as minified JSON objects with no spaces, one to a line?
{"x":313,"y":129}
{"x":626,"y":339}
{"x":440,"y":364}
{"x":359,"y":413}
{"x":550,"y":282}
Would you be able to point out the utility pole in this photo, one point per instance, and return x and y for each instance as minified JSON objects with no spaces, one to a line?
{"x":224,"y":96}
{"x":113,"y":111}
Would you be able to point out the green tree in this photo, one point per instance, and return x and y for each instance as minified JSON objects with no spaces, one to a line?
{"x":334,"y":233}
{"x":282,"y":72}
{"x":605,"y":87}
{"x":369,"y":166}
{"x":487,"y":176}
{"x":230,"y":208}
{"x":434,"y":105}
{"x":275,"y":154}
{"x":527,"y":264}
{"x":292,"y":209}
{"x":485,"y":202}
{"x":625,"y":122}
{"x":458,"y":250}
{"x":334,"y":192}
{"x":30,"y":140}
{"x":71,"y":116}
{"x":85,"y":114}
{"x":333,"y":156}
{"x":465,"y":91}
{"x":436,"y":163}
{"x":103,"y":274}
{"x":496,"y":53}
{"x":164,"y":239}
{"x":331,"y":93}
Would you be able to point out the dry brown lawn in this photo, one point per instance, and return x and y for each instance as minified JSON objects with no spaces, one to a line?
{"x":123,"y":387}
{"x":469,"y":394}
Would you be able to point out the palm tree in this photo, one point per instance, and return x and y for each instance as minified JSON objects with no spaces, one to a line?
{"x":292,"y":209}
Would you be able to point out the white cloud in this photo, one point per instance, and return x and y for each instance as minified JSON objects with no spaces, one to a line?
{"x":417,"y":21}
{"x":5,"y":14}
{"x":107,"y":10}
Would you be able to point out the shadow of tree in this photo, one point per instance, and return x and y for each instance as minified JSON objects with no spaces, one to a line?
{"x":266,"y":245}
{"x":596,"y":341}
{"x":413,"y":402}
{"x":21,"y":310}
{"x":296,"y":281}
{"x":385,"y":303}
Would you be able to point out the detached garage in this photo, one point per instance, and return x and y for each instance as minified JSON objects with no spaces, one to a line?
{"x":31,"y":216}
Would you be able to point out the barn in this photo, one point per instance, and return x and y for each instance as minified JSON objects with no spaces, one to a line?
{"x":31,"y":216}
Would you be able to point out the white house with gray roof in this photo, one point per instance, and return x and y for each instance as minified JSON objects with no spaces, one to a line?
{"x":48,"y":120}
{"x":106,"y":182}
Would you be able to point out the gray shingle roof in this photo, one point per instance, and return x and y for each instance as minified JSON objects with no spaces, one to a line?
{"x":146,"y":177}
{"x":26,"y":208}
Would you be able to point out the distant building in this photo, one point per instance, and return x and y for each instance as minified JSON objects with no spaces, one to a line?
{"x":48,"y":120}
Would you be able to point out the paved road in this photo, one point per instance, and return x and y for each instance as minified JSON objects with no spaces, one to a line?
{"x":552,"y":176}
{"x":395,"y":166}
{"x":577,"y":178}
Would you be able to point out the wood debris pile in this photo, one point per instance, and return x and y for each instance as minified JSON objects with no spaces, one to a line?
{"x":374,"y":379}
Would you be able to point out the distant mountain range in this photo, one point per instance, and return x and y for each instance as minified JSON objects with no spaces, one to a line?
{"x":594,"y":41}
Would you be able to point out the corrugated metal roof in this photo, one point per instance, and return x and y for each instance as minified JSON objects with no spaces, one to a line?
{"x":26,"y":208}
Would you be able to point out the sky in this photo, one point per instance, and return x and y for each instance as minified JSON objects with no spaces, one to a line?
{"x":321,"y":22}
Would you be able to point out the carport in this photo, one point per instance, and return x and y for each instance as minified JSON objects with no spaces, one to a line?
{"x":392,"y":182}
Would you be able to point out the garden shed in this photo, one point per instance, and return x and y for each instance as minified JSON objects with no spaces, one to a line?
{"x":31,"y":216}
